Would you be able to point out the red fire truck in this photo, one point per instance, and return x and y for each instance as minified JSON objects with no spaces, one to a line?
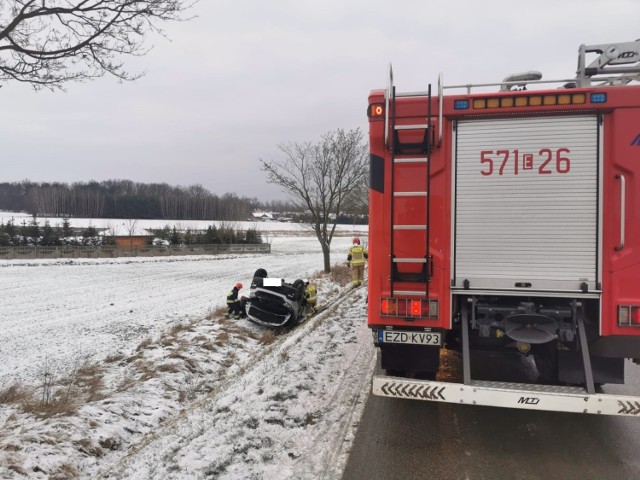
{"x":506,"y":216}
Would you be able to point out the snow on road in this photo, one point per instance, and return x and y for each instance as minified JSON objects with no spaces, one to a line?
{"x":175,"y":391}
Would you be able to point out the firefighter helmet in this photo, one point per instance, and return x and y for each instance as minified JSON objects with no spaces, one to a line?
{"x":239,"y":286}
{"x":356,"y":240}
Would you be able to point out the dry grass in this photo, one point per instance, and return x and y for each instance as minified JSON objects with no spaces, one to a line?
{"x":66,"y":471}
{"x":126,"y":385}
{"x":58,"y":396}
{"x":341,"y":274}
{"x":46,"y":410}
{"x":147,"y":370}
{"x":168,"y":367}
{"x":218,"y":312}
{"x":267,"y":338}
{"x":114,"y":358}
{"x":14,"y":465}
{"x":89,"y":378}
{"x":230,"y":359}
{"x":15,"y":394}
{"x":177,"y":328}
{"x":221,"y":339}
{"x":146,"y":343}
{"x":178,"y":354}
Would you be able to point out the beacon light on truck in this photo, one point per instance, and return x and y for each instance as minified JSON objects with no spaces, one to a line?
{"x":598,"y":98}
{"x":375,"y":111}
{"x":531,"y":101}
{"x":628,"y":316}
{"x":409,"y":308}
{"x":461,"y":104}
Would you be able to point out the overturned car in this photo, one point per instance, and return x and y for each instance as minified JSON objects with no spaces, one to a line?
{"x":275,"y":303}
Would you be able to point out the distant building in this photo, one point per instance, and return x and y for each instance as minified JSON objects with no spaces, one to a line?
{"x":128,"y":235}
{"x":262,"y":216}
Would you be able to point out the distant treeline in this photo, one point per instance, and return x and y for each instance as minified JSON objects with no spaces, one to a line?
{"x":31,"y":233}
{"x":127,"y":199}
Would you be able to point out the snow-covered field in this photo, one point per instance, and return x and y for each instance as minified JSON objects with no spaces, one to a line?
{"x":157,"y":384}
{"x":125,"y":225}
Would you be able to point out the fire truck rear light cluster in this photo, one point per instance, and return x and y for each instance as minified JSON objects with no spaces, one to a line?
{"x":409,"y":308}
{"x":531,"y":101}
{"x":628,"y":316}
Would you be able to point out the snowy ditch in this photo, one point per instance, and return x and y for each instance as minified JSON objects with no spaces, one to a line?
{"x":164,"y":386}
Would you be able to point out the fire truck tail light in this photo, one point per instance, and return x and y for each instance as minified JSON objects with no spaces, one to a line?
{"x":389,"y":306}
{"x":416,"y":308}
{"x":628,"y":316}
{"x":409,"y":308}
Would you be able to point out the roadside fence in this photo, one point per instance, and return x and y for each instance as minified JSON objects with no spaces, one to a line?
{"x":112,"y":251}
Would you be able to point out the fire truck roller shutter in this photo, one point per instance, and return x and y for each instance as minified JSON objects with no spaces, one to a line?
{"x":526,"y":203}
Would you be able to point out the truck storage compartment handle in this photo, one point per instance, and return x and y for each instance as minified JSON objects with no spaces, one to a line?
{"x":623,"y":185}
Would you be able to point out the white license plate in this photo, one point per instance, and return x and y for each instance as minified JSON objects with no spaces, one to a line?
{"x":414,"y":338}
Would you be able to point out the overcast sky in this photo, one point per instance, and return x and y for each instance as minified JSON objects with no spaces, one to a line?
{"x":244,"y":76}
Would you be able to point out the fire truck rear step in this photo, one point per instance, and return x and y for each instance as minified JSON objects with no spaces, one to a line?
{"x":509,"y":395}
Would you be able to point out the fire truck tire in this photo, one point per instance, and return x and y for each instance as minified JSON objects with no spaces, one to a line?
{"x":545,"y":356}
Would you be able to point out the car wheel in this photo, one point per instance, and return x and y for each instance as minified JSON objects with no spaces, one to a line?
{"x":299,"y":285}
{"x":260,"y":273}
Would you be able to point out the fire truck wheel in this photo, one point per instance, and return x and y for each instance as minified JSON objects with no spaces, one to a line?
{"x":545,"y":357}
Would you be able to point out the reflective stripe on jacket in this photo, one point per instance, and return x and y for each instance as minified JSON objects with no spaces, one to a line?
{"x":311,"y":294}
{"x":232,"y":296}
{"x":357,"y":255}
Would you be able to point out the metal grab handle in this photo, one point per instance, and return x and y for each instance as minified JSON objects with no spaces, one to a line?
{"x":623,"y":194}
{"x":440,"y":102}
{"x":388,"y":92}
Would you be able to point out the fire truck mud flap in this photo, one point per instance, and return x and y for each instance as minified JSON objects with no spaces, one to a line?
{"x":508,"y":395}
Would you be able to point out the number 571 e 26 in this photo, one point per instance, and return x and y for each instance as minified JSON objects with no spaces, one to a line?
{"x":546,"y":161}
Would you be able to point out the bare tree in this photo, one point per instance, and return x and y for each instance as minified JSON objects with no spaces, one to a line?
{"x":48,"y":43}
{"x":321,"y":177}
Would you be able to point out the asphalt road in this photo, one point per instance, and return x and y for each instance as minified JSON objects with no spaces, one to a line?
{"x":408,"y":439}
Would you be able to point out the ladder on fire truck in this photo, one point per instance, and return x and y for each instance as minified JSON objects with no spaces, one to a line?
{"x":404,"y":154}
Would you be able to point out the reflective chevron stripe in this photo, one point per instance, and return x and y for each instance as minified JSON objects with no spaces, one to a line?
{"x":510,"y":395}
{"x":629,"y":408}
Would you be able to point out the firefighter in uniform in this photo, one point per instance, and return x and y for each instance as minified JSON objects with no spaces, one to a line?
{"x":355,"y":260}
{"x":311,"y":298}
{"x":236,"y":306}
